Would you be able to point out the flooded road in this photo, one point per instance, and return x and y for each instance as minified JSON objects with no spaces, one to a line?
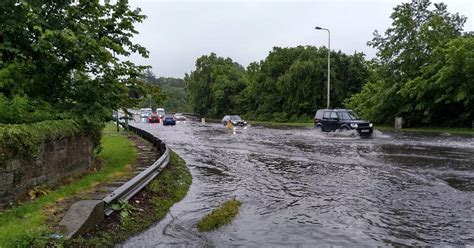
{"x":303,"y":188}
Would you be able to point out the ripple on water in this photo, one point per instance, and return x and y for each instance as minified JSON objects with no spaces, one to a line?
{"x":300,"y":187}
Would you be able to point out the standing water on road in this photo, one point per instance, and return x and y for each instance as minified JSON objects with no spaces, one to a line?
{"x":303,"y":188}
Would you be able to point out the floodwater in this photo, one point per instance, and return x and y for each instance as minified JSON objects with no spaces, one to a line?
{"x":300,"y":187}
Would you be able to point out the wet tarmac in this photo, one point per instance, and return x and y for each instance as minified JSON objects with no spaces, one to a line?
{"x":300,"y":187}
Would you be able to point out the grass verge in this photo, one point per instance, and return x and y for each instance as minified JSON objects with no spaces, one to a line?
{"x":26,"y":224}
{"x":146,"y":208}
{"x":283,"y":124}
{"x":271,"y":123}
{"x":219,"y":216}
{"x":433,"y":130}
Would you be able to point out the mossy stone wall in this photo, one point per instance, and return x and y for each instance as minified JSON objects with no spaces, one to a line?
{"x":55,"y":160}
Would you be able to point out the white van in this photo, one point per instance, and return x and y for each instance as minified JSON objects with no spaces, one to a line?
{"x":161,"y":112}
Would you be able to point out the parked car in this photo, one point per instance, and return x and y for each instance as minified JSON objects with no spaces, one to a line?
{"x":161,"y":112}
{"x":179,"y":117}
{"x":169,"y":120}
{"x":234,"y":119}
{"x":341,"y":119}
{"x":153,"y":118}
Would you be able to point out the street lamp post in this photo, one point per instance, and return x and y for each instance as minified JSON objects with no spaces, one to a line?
{"x":329,"y":62}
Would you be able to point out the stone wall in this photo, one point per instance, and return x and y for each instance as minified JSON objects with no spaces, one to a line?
{"x":55,"y":160}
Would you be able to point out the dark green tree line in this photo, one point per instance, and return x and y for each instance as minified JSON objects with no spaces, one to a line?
{"x":290,"y":84}
{"x":172,"y":92}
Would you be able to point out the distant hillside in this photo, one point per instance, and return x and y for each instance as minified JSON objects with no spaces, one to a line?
{"x":175,"y":92}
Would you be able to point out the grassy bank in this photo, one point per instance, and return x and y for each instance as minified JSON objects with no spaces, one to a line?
{"x":26,"y":224}
{"x":219,"y":216}
{"x":283,"y":124}
{"x":269,"y":123}
{"x":432,"y":130}
{"x":146,"y":208}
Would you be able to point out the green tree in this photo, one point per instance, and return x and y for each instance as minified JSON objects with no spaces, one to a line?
{"x":176,"y":95}
{"x":403,"y":53}
{"x":66,"y":53}
{"x":416,"y":31}
{"x":215,"y":85}
{"x":149,"y":94}
{"x":444,"y":92}
{"x":290,"y":84}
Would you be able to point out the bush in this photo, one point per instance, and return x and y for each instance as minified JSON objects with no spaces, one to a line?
{"x":20,"y":109}
{"x":220,"y":216}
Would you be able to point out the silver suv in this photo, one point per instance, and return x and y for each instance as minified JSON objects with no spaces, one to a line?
{"x":234,"y":119}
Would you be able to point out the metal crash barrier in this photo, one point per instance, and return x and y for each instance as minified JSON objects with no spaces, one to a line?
{"x":134,"y":185}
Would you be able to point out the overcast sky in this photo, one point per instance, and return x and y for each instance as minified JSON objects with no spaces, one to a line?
{"x":177,"y":32}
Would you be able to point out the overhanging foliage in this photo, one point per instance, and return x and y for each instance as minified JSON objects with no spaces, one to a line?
{"x":66,"y":54}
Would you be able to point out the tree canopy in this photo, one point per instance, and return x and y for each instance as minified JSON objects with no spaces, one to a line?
{"x":422,"y":69}
{"x":215,"y":85}
{"x":290,"y":84}
{"x":64,"y":56}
